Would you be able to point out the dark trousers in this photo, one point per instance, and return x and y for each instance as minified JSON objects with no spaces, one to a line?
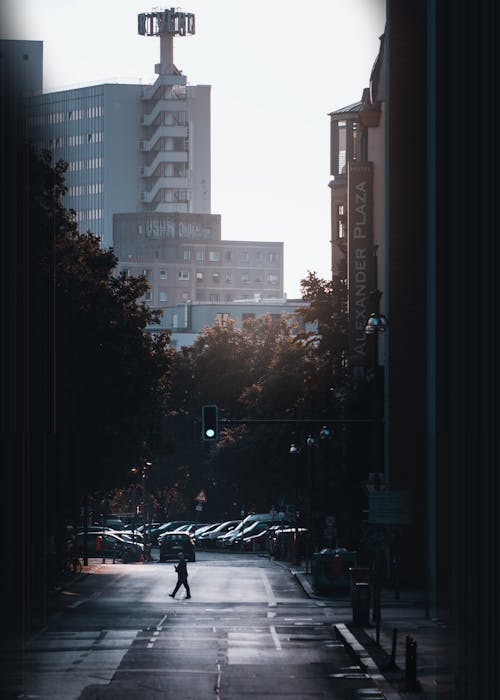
{"x":182,"y":581}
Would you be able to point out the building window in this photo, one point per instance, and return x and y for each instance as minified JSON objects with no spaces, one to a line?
{"x":340,"y":221}
{"x":214,"y":298}
{"x":163,"y":296}
{"x":147,"y":274}
{"x":258,"y":278}
{"x":244,"y":256}
{"x":245,"y":277}
{"x":229,"y":255}
{"x":214,"y":256}
{"x":163,"y":274}
{"x":229,"y":297}
{"x":272,"y":258}
{"x":148,"y":296}
{"x":184,"y":275}
{"x":272,"y":279}
{"x":200,"y":255}
{"x":187,"y":254}
{"x":229,"y":277}
{"x":222,"y":319}
{"x":258,"y":256}
{"x":199,"y":276}
{"x":215,"y":277}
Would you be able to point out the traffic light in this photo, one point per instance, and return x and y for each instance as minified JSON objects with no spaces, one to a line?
{"x":210,"y":423}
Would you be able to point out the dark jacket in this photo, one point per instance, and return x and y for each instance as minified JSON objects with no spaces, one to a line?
{"x":181,"y":569}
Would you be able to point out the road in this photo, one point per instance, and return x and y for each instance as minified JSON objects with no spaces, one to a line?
{"x":249,"y":631}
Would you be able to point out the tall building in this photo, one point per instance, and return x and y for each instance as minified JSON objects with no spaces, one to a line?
{"x":139,"y":176}
{"x":21,"y":67}
{"x":184,"y":259}
{"x":131,"y":148}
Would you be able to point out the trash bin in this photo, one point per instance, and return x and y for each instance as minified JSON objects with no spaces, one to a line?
{"x":330,"y":569}
{"x":360,"y":595}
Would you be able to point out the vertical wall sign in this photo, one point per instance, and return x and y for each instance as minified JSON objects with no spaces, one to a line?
{"x":360,"y":259}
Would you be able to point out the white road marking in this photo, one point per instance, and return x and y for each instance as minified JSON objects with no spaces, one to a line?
{"x":271,"y":600}
{"x":276,"y":640}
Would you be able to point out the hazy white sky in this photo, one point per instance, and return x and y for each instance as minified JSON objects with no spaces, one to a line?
{"x":276,"y":67}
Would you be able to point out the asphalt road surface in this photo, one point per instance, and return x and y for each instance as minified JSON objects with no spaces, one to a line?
{"x":249,"y":631}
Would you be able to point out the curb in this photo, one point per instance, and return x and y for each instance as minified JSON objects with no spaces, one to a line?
{"x":355,"y":648}
{"x":366,"y":662}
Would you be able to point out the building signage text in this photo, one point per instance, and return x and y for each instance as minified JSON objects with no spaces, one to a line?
{"x":360,"y":276}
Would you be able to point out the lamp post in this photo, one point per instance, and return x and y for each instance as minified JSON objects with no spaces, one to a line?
{"x":144,"y":474}
{"x":311,"y":443}
{"x":376,"y":325}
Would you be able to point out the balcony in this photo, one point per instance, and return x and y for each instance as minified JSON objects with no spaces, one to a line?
{"x":163,"y":106}
{"x":149,"y":91}
{"x":163,"y":157}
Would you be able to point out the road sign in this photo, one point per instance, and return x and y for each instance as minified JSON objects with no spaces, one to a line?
{"x":389,"y":508}
{"x":201,"y":497}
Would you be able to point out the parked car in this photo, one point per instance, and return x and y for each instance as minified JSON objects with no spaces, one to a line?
{"x":204,"y":528}
{"x":115,"y":523}
{"x":253,"y":529}
{"x":113,"y":545}
{"x":227,"y":538}
{"x":167,"y":527}
{"x":130,"y":536}
{"x":257,"y":541}
{"x":208,"y":538}
{"x":173,"y":543}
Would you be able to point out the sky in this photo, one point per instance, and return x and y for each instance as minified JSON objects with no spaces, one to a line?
{"x":276,"y":67}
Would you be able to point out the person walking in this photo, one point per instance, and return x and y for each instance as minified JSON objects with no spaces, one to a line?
{"x":182,"y":577}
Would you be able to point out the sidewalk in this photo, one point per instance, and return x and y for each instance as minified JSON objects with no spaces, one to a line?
{"x":434,"y":637}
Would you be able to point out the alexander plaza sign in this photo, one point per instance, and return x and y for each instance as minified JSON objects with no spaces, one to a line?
{"x":361,"y":262}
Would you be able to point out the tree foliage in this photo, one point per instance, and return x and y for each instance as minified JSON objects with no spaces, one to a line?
{"x":109,"y":374}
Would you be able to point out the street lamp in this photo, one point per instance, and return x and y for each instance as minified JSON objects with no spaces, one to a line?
{"x":311,"y":443}
{"x":376,"y":325}
{"x":144,"y":474}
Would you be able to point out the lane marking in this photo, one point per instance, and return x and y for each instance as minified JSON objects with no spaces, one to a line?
{"x":271,"y":600}
{"x":276,"y":640}
{"x":217,"y":682}
{"x":159,"y":626}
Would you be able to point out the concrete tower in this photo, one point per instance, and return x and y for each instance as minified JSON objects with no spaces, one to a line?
{"x":175,"y":172}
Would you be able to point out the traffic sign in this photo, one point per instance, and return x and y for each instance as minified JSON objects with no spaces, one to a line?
{"x":389,"y":508}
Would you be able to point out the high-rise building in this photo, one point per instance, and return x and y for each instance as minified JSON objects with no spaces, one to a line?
{"x":139,"y":176}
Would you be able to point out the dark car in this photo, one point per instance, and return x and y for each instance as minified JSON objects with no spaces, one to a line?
{"x":173,"y":543}
{"x":113,"y":546}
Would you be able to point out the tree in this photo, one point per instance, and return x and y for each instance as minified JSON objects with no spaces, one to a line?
{"x":108,"y":374}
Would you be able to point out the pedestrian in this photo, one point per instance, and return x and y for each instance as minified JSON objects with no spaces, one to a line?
{"x":182,"y":577}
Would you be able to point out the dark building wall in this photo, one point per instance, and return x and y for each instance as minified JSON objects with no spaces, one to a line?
{"x":406,"y":270}
{"x":444,"y":385}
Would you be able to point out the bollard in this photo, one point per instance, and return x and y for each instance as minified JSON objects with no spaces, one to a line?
{"x":361,"y":605}
{"x":411,"y":662}
{"x":393,"y":648}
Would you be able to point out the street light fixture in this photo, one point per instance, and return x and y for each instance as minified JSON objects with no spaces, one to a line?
{"x":376,"y":323}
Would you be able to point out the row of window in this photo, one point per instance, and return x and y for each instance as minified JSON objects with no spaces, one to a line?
{"x":79,"y":139}
{"x":69,"y":141}
{"x":89,"y":214}
{"x":85,"y":164}
{"x":82,"y":190}
{"x":184,"y":276}
{"x":70,"y":115}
